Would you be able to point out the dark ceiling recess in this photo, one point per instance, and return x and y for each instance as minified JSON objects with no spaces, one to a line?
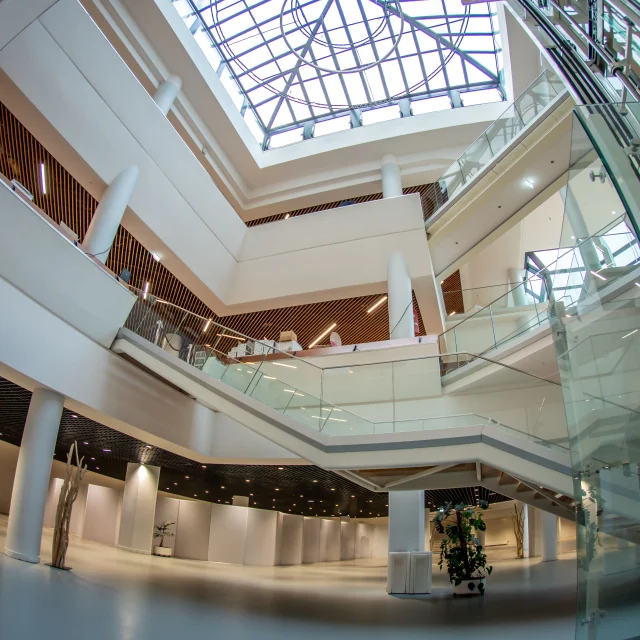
{"x":66,"y":201}
{"x":305,"y":490}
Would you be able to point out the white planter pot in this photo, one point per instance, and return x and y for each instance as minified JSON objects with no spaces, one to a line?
{"x":167,"y":552}
{"x":465,"y":588}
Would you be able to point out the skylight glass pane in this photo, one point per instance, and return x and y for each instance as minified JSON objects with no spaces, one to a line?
{"x":332,"y":126}
{"x":380,"y":115}
{"x":431,"y":104}
{"x":480,"y":97}
{"x":297,"y":60}
{"x":283,"y":139}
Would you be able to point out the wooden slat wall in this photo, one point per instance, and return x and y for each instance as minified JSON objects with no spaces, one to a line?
{"x":452,"y":294}
{"x":426,"y":192}
{"x":66,"y":201}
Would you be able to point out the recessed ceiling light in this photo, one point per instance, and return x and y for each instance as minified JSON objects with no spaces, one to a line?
{"x":315,"y":481}
{"x":529,"y":183}
{"x":204,"y":466}
{"x":107,"y":450}
{"x":97,"y":468}
{"x":175,"y":484}
{"x":332,"y":489}
{"x":222,"y":486}
{"x":206,"y":491}
{"x":251,"y":494}
{"x":287,"y":215}
{"x":247,"y":480}
{"x":73,"y":415}
{"x":186,"y":477}
{"x":145,"y":290}
{"x":93,"y":458}
{"x":155,"y":256}
{"x":85,"y":443}
{"x":280,"y":468}
{"x":277,"y":489}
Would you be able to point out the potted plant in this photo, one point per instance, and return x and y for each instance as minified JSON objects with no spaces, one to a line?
{"x":162,"y":531}
{"x":461,"y":550}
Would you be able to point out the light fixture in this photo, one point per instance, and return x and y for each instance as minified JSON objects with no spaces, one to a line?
{"x":247,"y":480}
{"x":155,"y":256}
{"x":629,"y":334}
{"x":73,"y":415}
{"x":597,"y":275}
{"x":93,"y":458}
{"x":186,"y":477}
{"x":148,"y":446}
{"x":206,"y":326}
{"x":281,"y":364}
{"x":323,"y":334}
{"x":43,"y":179}
{"x":206,"y":491}
{"x":377,"y":304}
{"x":85,"y":443}
{"x":637,"y":284}
{"x":280,"y":468}
{"x":315,"y":481}
{"x":145,"y":291}
{"x":287,"y":216}
{"x":107,"y":450}
{"x":222,"y":486}
{"x":97,"y":468}
{"x":453,"y":313}
{"x":226,"y":335}
{"x":529,"y":183}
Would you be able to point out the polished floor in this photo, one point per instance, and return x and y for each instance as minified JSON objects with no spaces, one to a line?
{"x":112,"y":595}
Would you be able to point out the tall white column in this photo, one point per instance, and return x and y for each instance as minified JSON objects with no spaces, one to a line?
{"x":482,"y":538}
{"x":406,"y":520}
{"x":166,"y":93}
{"x":108,"y":216}
{"x":549,"y":536}
{"x":391,"y":178}
{"x":516,"y":293}
{"x":400,"y":299}
{"x":138,"y":507}
{"x":24,"y":532}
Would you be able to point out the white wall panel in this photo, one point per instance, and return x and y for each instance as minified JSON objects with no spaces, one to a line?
{"x":102,"y":516}
{"x":311,"y":540}
{"x":192,"y":535}
{"x":364,"y":540}
{"x":291,"y":538}
{"x":260,"y":547}
{"x":228,"y":534}
{"x":347,"y":540}
{"x":329,"y":540}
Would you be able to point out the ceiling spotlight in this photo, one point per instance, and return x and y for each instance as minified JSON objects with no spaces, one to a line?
{"x":315,"y":481}
{"x":206,"y":491}
{"x":287,"y":216}
{"x":247,"y":480}
{"x":186,"y":477}
{"x":280,"y":468}
{"x":93,"y":458}
{"x":222,"y":486}
{"x":204,"y":466}
{"x":277,"y":489}
{"x":107,"y":450}
{"x":529,"y":183}
{"x":226,"y":335}
{"x":97,"y":468}
{"x":175,"y":484}
{"x":155,"y":256}
{"x":85,"y":443}
{"x":73,"y":415}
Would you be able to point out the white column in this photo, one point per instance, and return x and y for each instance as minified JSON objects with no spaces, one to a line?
{"x":391,"y":179}
{"x":108,"y":216}
{"x":400,"y":302}
{"x":406,"y":520}
{"x":482,"y":537}
{"x":516,"y":293}
{"x":549,"y":536}
{"x":138,"y":507}
{"x":24,"y":532}
{"x":166,"y":93}
{"x":427,"y":529}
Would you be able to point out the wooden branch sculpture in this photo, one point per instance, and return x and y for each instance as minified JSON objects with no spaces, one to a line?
{"x":517,"y":520}
{"x":68,"y":494}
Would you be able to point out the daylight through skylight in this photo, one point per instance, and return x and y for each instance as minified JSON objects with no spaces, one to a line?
{"x":291,"y":64}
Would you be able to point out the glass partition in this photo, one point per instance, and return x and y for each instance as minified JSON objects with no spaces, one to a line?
{"x":595,"y":325}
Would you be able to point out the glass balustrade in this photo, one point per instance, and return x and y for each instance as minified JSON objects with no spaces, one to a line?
{"x":534,"y":100}
{"x":362,"y":399}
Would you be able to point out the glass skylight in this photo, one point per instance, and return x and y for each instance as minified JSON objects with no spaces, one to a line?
{"x":292,"y":64}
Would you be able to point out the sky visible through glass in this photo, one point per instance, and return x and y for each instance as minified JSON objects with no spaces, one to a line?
{"x":336,"y":64}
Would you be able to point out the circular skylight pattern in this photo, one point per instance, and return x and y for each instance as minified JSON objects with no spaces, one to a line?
{"x":289,"y":63}
{"x":327,"y":43}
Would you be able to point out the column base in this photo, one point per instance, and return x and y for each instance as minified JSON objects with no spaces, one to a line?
{"x":21,"y":556}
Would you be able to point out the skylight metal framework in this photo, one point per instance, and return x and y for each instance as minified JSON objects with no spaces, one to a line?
{"x":290,"y":64}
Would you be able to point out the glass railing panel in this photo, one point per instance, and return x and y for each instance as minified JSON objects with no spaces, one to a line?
{"x":450,"y":182}
{"x":364,"y":390}
{"x":340,"y":422}
{"x":475,"y":157}
{"x":504,"y":129}
{"x":413,"y":382}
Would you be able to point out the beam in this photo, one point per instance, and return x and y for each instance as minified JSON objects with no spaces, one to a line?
{"x":421,"y":474}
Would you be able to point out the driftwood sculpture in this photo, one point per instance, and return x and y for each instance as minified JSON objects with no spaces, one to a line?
{"x":68,"y":494}
{"x":517,"y":520}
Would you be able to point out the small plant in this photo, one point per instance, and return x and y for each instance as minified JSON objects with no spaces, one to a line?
{"x":461,"y":549}
{"x":162,"y":531}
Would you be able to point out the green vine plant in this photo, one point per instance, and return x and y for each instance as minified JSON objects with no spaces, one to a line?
{"x":461,"y":549}
{"x":162,"y":531}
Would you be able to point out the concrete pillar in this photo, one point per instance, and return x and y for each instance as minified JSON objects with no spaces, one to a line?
{"x":391,"y":179}
{"x":138,"y":507}
{"x":406,"y":520}
{"x":108,"y":216}
{"x":517,"y":295}
{"x":24,"y":531}
{"x":400,"y":299}
{"x":166,"y":93}
{"x":549,"y":536}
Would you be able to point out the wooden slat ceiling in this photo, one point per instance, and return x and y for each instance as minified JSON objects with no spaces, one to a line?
{"x":66,"y":201}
